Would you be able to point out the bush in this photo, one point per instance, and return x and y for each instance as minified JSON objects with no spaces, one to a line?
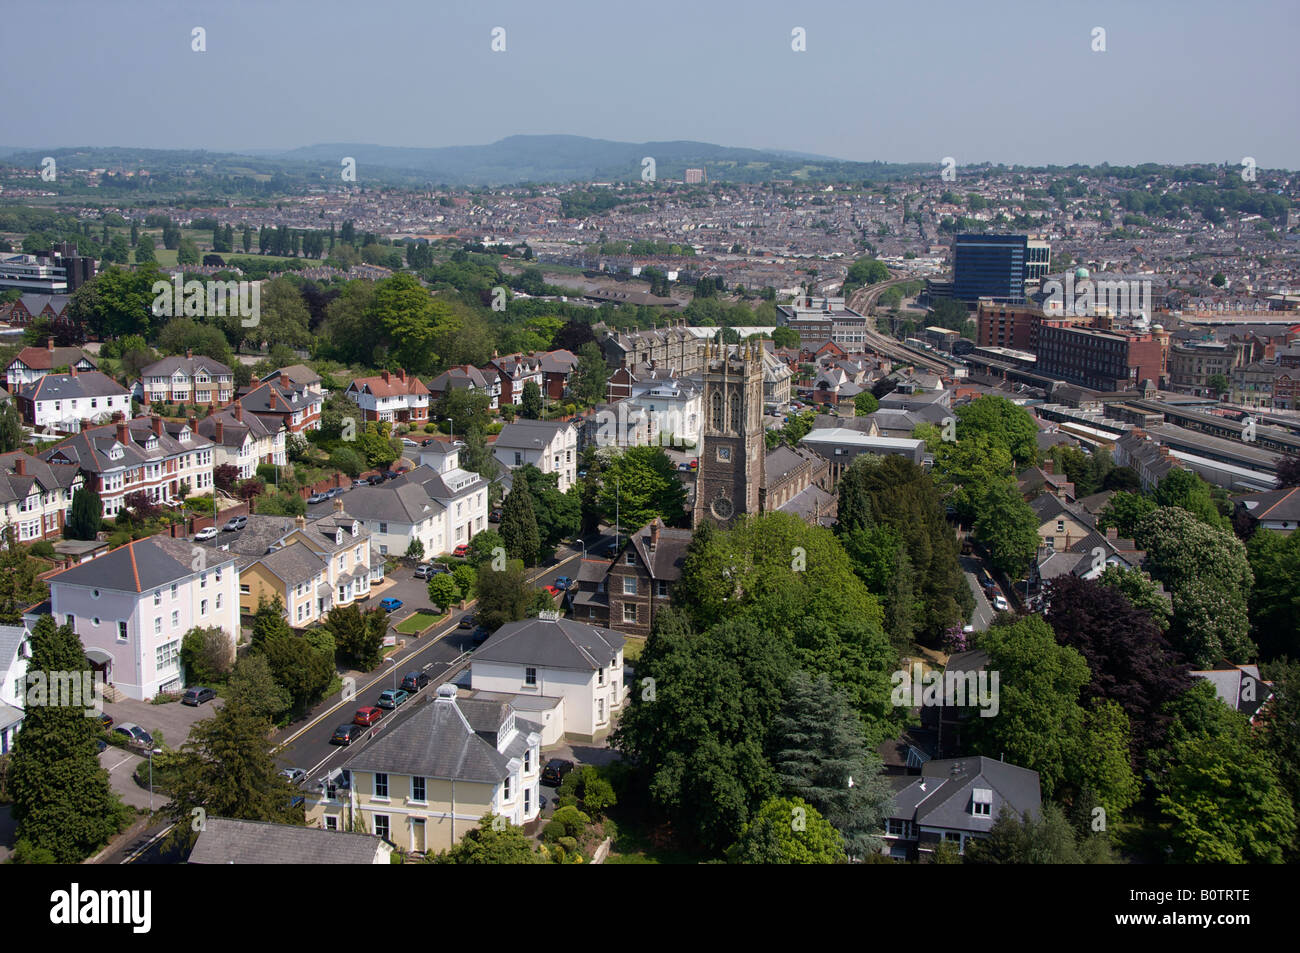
{"x":206,"y":655}
{"x":268,"y":472}
{"x":347,"y":460}
{"x":44,"y":549}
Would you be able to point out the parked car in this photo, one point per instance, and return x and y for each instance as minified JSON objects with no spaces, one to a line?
{"x":461,"y":551}
{"x":552,"y":591}
{"x":318,"y":498}
{"x":695,"y":464}
{"x":425,"y":571}
{"x":429,"y":441}
{"x":391,"y":698}
{"x":234,"y":523}
{"x":1000,"y":604}
{"x":389,"y":475}
{"x":495,"y":515}
{"x":294,"y":775}
{"x":346,"y":734}
{"x":365,"y":717}
{"x":336,"y":492}
{"x":967,"y":547}
{"x":414,"y":681}
{"x":390,"y":604}
{"x":563,"y":582}
{"x":684,"y":467}
{"x":408,"y":442}
{"x":208,"y":533}
{"x":133,"y":734}
{"x":362,"y":482}
{"x":555,"y":771}
{"x":105,"y":720}
{"x":466,"y":621}
{"x":990,"y":586}
{"x":196,"y":696}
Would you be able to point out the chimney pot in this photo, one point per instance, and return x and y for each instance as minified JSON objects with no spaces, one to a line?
{"x":72,"y":370}
{"x":338,"y":504}
{"x":384,"y":375}
{"x":157,"y":424}
{"x":239,"y":411}
{"x":401,"y":373}
{"x":194,"y":424}
{"x":219,"y":433}
{"x":189,"y":353}
{"x":122,"y":436}
{"x":1048,"y":466}
{"x":49,"y":343}
{"x":20,"y":465}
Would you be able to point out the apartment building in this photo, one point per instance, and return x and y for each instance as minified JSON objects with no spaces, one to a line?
{"x":1105,"y":361}
{"x":188,"y":380}
{"x":36,"y":496}
{"x":818,"y":319}
{"x":132,"y":607}
{"x":551,"y":446}
{"x":392,"y":396}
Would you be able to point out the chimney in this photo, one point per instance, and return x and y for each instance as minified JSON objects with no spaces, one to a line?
{"x":194,"y":424}
{"x":49,"y":344}
{"x":219,"y":434}
{"x":122,"y":436}
{"x":273,"y":400}
{"x":654,"y":534}
{"x":72,"y":370}
{"x":239,"y":411}
{"x":189,"y":353}
{"x":118,"y":416}
{"x":1048,"y":466}
{"x":384,"y":375}
{"x":1112,"y":532}
{"x":157,"y":424}
{"x":20,"y":464}
{"x":300,"y":521}
{"x":338,"y":504}
{"x":401,"y":374}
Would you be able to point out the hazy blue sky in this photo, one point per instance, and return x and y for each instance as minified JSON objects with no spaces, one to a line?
{"x":914,"y":80}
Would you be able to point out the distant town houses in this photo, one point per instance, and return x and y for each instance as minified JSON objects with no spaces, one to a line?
{"x":298,"y":410}
{"x":31,"y":307}
{"x":33,"y":363}
{"x":551,"y":446}
{"x":148,"y":454}
{"x":188,"y":380}
{"x":62,"y":402}
{"x":243,"y":440}
{"x":391,"y":396}
{"x":466,"y":377}
{"x":132,"y":607}
{"x":36,"y":495}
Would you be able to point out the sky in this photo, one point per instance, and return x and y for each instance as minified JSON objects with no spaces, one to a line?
{"x":911,"y":81}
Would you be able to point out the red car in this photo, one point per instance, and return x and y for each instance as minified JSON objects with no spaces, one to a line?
{"x":367,"y":716}
{"x":461,"y":551}
{"x":552,"y":591}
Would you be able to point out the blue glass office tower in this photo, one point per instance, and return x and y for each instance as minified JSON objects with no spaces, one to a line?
{"x":990,"y":266}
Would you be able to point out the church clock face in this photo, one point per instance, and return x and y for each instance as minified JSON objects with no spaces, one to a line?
{"x":722,"y":507}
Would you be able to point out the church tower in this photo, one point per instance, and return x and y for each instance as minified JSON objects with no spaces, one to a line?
{"x":732,"y":450}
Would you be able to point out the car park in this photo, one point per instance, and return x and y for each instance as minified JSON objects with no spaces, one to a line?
{"x":365,"y":717}
{"x":390,"y":604}
{"x":196,"y":696}
{"x":235,"y":523}
{"x":391,"y":698}
{"x":414,"y":681}
{"x":346,"y":734}
{"x":555,"y":771}
{"x":208,"y":533}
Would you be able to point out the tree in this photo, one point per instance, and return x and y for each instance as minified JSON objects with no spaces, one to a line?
{"x":347,"y":460}
{"x":227,"y":770}
{"x":20,"y":582}
{"x":1047,"y":839}
{"x":531,"y":407}
{"x":1275,"y":599}
{"x":206,"y":654}
{"x":358,"y":635}
{"x":144,"y":251}
{"x":786,"y":338}
{"x":1124,"y":511}
{"x":519,"y":525}
{"x":187,"y":253}
{"x":1288,"y":470}
{"x":639,"y":484}
{"x":492,"y":842}
{"x":503,"y":596}
{"x":415,"y":550}
{"x":442,"y":590}
{"x":11,"y":427}
{"x":1143,"y":592}
{"x":1186,"y":489}
{"x":296,"y":665}
{"x":253,"y":686}
{"x":62,"y":801}
{"x":1003,"y":422}
{"x":1278,"y":720}
{"x":224,"y":476}
{"x":1218,"y":384}
{"x":1008,"y":529}
{"x":787,"y":831}
{"x":820,"y":755}
{"x":591,"y":375}
{"x":700,"y":735}
{"x":559,"y":515}
{"x":86,"y":515}
{"x":483,"y":548}
{"x":865,"y":403}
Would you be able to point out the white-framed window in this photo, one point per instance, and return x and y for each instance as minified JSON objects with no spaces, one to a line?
{"x":417,"y":789}
{"x":203,"y":607}
{"x":382,"y":828}
{"x":629,"y":613}
{"x":121,"y":632}
{"x":505,"y":789}
{"x":381,"y":784}
{"x":157,"y":625}
{"x":629,"y":585}
{"x":982,"y":802}
{"x":157,"y":597}
{"x":176,"y":618}
{"x":218,"y":604}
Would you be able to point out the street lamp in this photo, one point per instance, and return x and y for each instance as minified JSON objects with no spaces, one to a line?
{"x":394,"y":663}
{"x":152,"y":752}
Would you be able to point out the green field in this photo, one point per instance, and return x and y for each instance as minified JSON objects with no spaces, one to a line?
{"x":417,"y":623}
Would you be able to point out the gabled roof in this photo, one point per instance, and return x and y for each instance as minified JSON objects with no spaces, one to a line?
{"x":530,"y":434}
{"x":437,"y":741}
{"x":90,"y":449}
{"x":44,"y":476}
{"x":225,"y":841}
{"x":44,"y":358}
{"x":138,"y":566}
{"x":189,"y":366}
{"x":546,"y":643}
{"x":393,"y":386}
{"x":409,"y":503}
{"x":287,"y":399}
{"x":669,"y":554}
{"x":1283,"y":504}
{"x":941,"y":797}
{"x":297,"y":375}
{"x":72,"y":386}
{"x":293,"y":564}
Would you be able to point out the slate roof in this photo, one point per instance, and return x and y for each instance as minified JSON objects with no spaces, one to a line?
{"x":288,"y":400}
{"x":1283,"y":504}
{"x":464,"y":377}
{"x":11,"y":636}
{"x":299,"y":375}
{"x":72,"y":386}
{"x":1230,"y":685}
{"x":530,"y":434}
{"x":138,"y":566}
{"x":293,"y":564}
{"x":235,"y":430}
{"x":669,"y":554}
{"x":812,"y":500}
{"x":438,"y":741}
{"x":409,"y":503}
{"x":784,"y":460}
{"x":941,"y":797}
{"x":46,"y":476}
{"x":90,"y":448}
{"x":189,"y":366}
{"x":560,"y":643}
{"x":225,"y":841}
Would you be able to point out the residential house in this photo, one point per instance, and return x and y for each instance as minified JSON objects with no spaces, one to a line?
{"x":467,"y":377}
{"x":226,"y":841}
{"x":557,"y":369}
{"x":1152,"y":461}
{"x":515,"y":371}
{"x":63,"y":401}
{"x":188,"y":380}
{"x":296,"y":377}
{"x":1278,"y":510}
{"x":15,"y":652}
{"x":392,"y":396}
{"x":296,"y":409}
{"x":36,"y":495}
{"x":557,"y":658}
{"x":551,"y":446}
{"x":147,"y":454}
{"x":956,"y":800}
{"x":33,"y":363}
{"x":424,"y":783}
{"x":294,"y":574}
{"x":132,"y":607}
{"x":639,"y":581}
{"x":243,"y":440}
{"x":29,"y":307}
{"x":1240,"y":687}
{"x":1060,"y":524}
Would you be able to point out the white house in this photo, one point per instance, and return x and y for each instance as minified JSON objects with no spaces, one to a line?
{"x":36,"y":496}
{"x":442,"y":508}
{"x":551,"y":446}
{"x":244,"y":440}
{"x":557,"y":658}
{"x":62,"y":401}
{"x":15,"y":651}
{"x":132,"y":607}
{"x":393,"y":396}
{"x":33,"y":363}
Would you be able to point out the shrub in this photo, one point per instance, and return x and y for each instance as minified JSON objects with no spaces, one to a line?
{"x":44,"y":548}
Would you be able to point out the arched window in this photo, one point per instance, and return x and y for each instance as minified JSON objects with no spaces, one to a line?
{"x":735,"y":414}
{"x":717,"y":410}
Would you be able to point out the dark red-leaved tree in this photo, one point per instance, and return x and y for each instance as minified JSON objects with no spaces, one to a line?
{"x":1132,"y":664}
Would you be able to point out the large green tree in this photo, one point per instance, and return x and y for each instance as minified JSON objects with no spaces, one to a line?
{"x":1008,"y":529}
{"x":1275,"y":599}
{"x":503,"y":595}
{"x":519,"y":529}
{"x":639,"y":484}
{"x":1004,"y":423}
{"x":86,"y":515}
{"x":787,"y":831}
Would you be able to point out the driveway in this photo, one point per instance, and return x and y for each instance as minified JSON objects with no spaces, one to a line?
{"x":120,"y":765}
{"x":173,"y":719}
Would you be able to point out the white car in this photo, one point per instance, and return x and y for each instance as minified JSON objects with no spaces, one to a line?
{"x":208,"y":533}
{"x":408,"y":442}
{"x":1000,"y":604}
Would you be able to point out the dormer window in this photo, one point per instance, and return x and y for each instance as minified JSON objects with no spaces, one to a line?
{"x":981,"y":802}
{"x":354,"y":527}
{"x":338,"y":537}
{"x":115,"y":452}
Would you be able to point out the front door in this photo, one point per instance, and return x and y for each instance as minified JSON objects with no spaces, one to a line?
{"x":417,"y":835}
